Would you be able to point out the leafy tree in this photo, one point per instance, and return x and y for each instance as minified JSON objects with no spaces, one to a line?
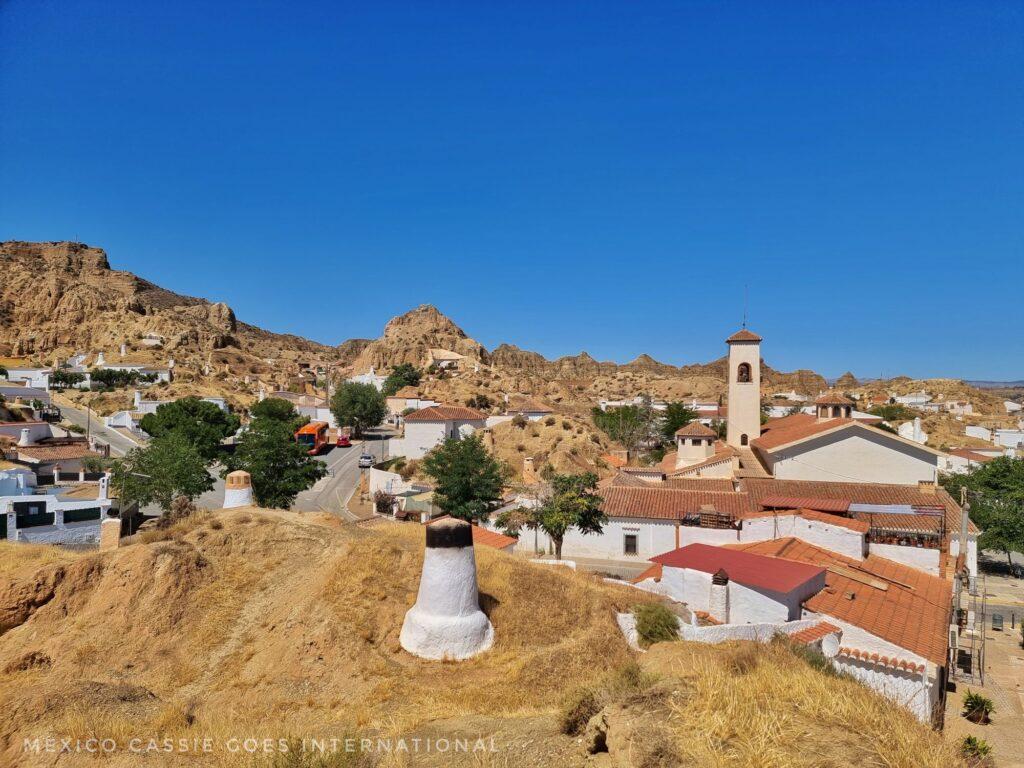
{"x":203,"y":424}
{"x":894,"y":412}
{"x":359,"y":406}
{"x":629,"y":425}
{"x":404,"y":375}
{"x":676,"y":415}
{"x":571,"y":502}
{"x":277,"y":409}
{"x":168,"y":468}
{"x":996,"y":493}
{"x":3,"y":371}
{"x":468,"y":480}
{"x":64,"y":379}
{"x":280,"y":467}
{"x":479,"y":401}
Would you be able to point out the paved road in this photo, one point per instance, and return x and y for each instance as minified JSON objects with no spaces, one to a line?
{"x":330,"y":494}
{"x":119,"y":444}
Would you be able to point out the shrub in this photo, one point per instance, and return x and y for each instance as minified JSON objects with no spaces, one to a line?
{"x":625,"y":682}
{"x":549,"y":421}
{"x":974,"y":749}
{"x":519,"y":421}
{"x":977,"y":707}
{"x":655,"y":623}
{"x":383,"y":502}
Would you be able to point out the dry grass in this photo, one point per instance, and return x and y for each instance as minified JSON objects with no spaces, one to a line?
{"x":13,"y":557}
{"x":286,"y":625}
{"x":762,"y":705}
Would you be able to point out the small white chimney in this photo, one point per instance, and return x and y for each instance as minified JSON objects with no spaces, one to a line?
{"x":718,"y":602}
{"x":170,"y":362}
{"x":446,"y":622}
{"x":917,"y":430}
{"x":237,"y":489}
{"x":137,"y":399}
{"x":100,"y":360}
{"x":104,"y":487}
{"x":124,"y":350}
{"x":26,"y":437}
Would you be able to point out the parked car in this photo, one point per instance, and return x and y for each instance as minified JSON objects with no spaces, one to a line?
{"x":365,"y":460}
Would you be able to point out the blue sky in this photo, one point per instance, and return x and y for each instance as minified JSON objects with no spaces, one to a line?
{"x":562,"y":176}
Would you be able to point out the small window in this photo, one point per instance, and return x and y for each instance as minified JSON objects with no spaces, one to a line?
{"x":629,"y":544}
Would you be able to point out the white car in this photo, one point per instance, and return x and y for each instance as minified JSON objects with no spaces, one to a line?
{"x":365,"y":460}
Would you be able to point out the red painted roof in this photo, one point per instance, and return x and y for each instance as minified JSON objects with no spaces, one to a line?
{"x":446,"y":413}
{"x":742,"y":567}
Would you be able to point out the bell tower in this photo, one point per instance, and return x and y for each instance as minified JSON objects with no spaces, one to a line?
{"x":744,"y":421}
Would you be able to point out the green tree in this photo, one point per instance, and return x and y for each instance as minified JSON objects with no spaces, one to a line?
{"x":203,"y":424}
{"x":468,"y":480}
{"x":3,"y":371}
{"x":65,"y":379}
{"x":676,"y":415}
{"x":479,"y":401}
{"x":359,"y":406}
{"x":571,"y":502}
{"x":168,"y":468}
{"x":404,"y":375}
{"x":277,"y":409}
{"x":996,"y":494}
{"x":629,"y":425}
{"x":894,"y":412}
{"x":280,"y":467}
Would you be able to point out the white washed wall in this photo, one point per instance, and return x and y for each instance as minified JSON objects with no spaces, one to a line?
{"x":922,"y":559}
{"x":855,"y":455}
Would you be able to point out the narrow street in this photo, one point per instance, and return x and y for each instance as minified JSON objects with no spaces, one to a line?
{"x":119,"y":444}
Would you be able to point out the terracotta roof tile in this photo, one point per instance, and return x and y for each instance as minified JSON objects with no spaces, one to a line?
{"x":446,"y":413}
{"x":654,"y":572}
{"x":716,"y":484}
{"x":743,"y":335}
{"x":811,"y":514}
{"x":895,"y":602}
{"x":885,"y":661}
{"x":814,"y":633}
{"x":833,"y":398}
{"x":695,"y":429}
{"x":669,"y":503}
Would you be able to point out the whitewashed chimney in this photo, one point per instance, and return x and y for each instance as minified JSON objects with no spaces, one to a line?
{"x":100,"y":360}
{"x":917,"y":430}
{"x":103,"y":493}
{"x":718,"y":604}
{"x":237,"y":489}
{"x":446,"y":622}
{"x":124,"y":350}
{"x":26,"y":437}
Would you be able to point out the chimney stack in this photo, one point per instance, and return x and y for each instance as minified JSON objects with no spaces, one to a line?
{"x":718,"y":602}
{"x":25,"y":438}
{"x":100,"y":360}
{"x":446,"y":622}
{"x":238,"y":489}
{"x":124,"y":350}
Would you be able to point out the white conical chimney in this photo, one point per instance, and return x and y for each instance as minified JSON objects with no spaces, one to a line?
{"x":100,"y":360}
{"x":124,"y":350}
{"x":917,"y":430}
{"x":25,"y":438}
{"x":446,"y":622}
{"x":237,"y":489}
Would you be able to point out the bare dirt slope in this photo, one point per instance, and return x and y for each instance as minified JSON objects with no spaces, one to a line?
{"x":272,"y":624}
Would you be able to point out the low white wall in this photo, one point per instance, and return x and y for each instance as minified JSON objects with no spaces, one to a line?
{"x":37,"y":430}
{"x":654,"y":537}
{"x":389,"y":482}
{"x":835,"y":538}
{"x":921,"y":558}
{"x":495,"y":420}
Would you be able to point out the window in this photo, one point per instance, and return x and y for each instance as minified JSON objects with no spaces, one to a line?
{"x":743,"y":439}
{"x":743,"y":373}
{"x":629,"y":544}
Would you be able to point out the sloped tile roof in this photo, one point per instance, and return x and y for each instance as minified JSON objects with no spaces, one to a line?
{"x":815,"y":632}
{"x":743,"y":567}
{"x":895,"y":602}
{"x":810,"y":514}
{"x":669,"y":503}
{"x":743,"y":335}
{"x":446,"y":413}
{"x":833,"y":398}
{"x":695,"y":429}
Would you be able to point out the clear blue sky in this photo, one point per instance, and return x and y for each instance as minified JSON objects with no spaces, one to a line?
{"x":558,"y":175}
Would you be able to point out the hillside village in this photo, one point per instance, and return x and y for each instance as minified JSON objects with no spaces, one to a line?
{"x":784,"y":514}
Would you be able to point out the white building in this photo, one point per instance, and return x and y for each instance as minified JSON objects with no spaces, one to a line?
{"x":404,"y":399}
{"x":373,"y":378}
{"x":911,"y":430}
{"x":530,"y":410}
{"x":1012,"y":407}
{"x":429,"y":427}
{"x":914,"y":399}
{"x":28,"y":516}
{"x":131,"y":419}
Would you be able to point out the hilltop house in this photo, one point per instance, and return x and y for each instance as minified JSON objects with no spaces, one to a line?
{"x":429,"y":427}
{"x":530,"y":410}
{"x":404,"y":399}
{"x":130,"y":419}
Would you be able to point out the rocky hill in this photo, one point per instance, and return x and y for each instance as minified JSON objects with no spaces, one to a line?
{"x":409,"y":338}
{"x":256,"y":624}
{"x":58,"y":299}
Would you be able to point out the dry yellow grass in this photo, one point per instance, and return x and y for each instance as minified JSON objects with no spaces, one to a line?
{"x":255,"y":623}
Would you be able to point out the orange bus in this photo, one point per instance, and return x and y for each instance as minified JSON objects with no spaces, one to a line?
{"x":313,"y":437}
